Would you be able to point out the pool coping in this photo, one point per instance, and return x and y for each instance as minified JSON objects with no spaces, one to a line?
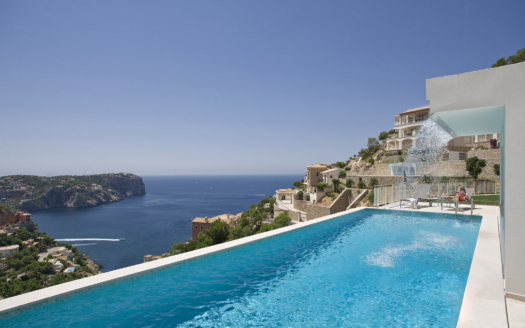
{"x":481,"y":306}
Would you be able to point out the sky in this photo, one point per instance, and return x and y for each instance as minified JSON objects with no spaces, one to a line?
{"x":225,"y":87}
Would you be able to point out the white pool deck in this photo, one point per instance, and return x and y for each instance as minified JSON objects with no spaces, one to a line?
{"x":483,"y":303}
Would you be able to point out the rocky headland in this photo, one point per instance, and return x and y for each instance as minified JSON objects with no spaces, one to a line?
{"x":31,"y":193}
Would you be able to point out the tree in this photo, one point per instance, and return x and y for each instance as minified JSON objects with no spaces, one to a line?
{"x":500,"y":62}
{"x":342,"y":174}
{"x":383,"y":135}
{"x":371,"y":197}
{"x":393,"y":131}
{"x":336,"y":183}
{"x":475,"y":166}
{"x":361,"y":185}
{"x":321,"y":186}
{"x":371,"y":161}
{"x":513,"y":59}
{"x":219,"y":231}
{"x":204,"y":240}
{"x":282,"y":220}
{"x":496,"y":169}
{"x":298,"y":184}
{"x":349,"y":183}
{"x":372,"y":142}
{"x":300,"y":195}
{"x":340,"y":165}
{"x":373,"y":182}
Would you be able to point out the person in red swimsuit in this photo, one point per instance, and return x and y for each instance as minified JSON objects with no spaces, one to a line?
{"x":461,"y":195}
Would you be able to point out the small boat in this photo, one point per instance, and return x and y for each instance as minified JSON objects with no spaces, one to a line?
{"x":122,"y":239}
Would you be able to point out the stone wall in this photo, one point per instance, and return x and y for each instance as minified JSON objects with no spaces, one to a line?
{"x":301,"y":205}
{"x":340,"y":204}
{"x":296,"y":216}
{"x":376,"y":169}
{"x":316,"y":211}
{"x":359,"y":195}
{"x":458,"y":169}
{"x":383,"y":179}
{"x":485,"y":154}
{"x":394,"y":158}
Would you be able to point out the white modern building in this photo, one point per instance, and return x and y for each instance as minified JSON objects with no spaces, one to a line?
{"x":489,"y":102}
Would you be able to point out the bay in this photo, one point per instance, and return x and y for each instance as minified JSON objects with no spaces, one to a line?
{"x":152,"y":223}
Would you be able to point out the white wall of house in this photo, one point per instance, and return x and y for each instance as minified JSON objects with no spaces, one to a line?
{"x":497,"y":91}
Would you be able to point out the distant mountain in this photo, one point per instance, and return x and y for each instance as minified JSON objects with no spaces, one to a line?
{"x":30,"y":193}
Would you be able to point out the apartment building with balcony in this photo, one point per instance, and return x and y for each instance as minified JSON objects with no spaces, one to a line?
{"x":313,"y":176}
{"x":407,"y":124}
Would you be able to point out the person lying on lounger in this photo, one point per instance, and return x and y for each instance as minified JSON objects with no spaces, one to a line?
{"x":461,"y":195}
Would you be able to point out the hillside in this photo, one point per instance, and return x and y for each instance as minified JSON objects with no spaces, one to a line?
{"x":30,"y":193}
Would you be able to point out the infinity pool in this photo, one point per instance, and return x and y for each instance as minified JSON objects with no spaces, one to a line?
{"x":372,"y":268}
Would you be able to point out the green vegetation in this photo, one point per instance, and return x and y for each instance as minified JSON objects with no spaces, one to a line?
{"x":373,"y":182}
{"x":340,"y":165}
{"x":331,"y":195}
{"x":299,"y":184}
{"x":336,"y":183}
{"x":492,"y":200}
{"x":475,"y":166}
{"x":371,"y":161}
{"x":370,"y":197}
{"x":444,"y":179}
{"x":321,"y":186}
{"x":427,"y":178}
{"x":25,"y":273}
{"x":361,"y":185}
{"x":513,"y":59}
{"x":250,"y":222}
{"x":349,"y":183}
{"x":480,"y":147}
{"x":496,"y":169}
{"x":300,"y":195}
{"x":342,"y":174}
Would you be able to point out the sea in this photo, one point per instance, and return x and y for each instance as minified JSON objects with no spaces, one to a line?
{"x":150,"y":224}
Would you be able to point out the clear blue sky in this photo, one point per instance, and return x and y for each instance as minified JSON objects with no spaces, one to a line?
{"x":225,"y":87}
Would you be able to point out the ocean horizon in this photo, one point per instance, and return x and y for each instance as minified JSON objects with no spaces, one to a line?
{"x":152,"y":223}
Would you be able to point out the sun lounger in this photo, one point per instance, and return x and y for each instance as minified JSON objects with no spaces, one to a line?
{"x":422,"y":191}
{"x":469,"y":200}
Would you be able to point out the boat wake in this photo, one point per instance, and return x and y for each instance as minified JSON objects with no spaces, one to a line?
{"x":87,"y":239}
{"x":83,"y":244}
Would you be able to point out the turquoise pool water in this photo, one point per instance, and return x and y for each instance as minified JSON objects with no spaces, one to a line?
{"x":372,"y":268}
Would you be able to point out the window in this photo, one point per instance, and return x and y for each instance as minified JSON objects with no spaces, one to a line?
{"x":330,"y":177}
{"x":462,"y":156}
{"x":196,"y":227}
{"x":206,"y":228}
{"x":201,"y":227}
{"x":411,"y":119}
{"x":317,"y":173}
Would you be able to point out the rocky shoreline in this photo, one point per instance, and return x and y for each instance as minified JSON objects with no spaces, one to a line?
{"x":39,"y":193}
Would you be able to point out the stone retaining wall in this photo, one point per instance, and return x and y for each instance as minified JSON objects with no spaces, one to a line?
{"x":340,"y":204}
{"x":485,"y":154}
{"x":296,"y":216}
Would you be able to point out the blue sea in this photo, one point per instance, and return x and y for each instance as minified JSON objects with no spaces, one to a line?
{"x":152,"y":223}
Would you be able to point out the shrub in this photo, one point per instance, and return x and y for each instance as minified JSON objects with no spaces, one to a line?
{"x":348,"y":168}
{"x":349,"y":183}
{"x":342,"y":174}
{"x":336,"y":183}
{"x":219,"y":231}
{"x":371,"y":197}
{"x":373,"y":182}
{"x":300,"y":195}
{"x":401,"y":159}
{"x":494,"y":143}
{"x":321,"y":186}
{"x":496,"y":169}
{"x":383,"y":135}
{"x":282,"y":220}
{"x":331,"y":195}
{"x":340,"y":165}
{"x":392,"y":131}
{"x":361,"y":185}
{"x":371,"y":161}
{"x":475,"y":166}
{"x":444,"y":179}
{"x":480,"y":147}
{"x":427,"y":178}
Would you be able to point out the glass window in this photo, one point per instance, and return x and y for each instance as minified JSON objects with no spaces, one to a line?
{"x":201,"y":227}
{"x":196,"y":227}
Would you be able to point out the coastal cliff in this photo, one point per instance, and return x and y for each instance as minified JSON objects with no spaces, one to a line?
{"x":31,"y":193}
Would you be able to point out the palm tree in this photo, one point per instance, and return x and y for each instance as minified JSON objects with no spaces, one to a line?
{"x":336,"y":183}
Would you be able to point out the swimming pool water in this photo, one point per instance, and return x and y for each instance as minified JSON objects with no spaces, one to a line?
{"x":371,"y":268}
